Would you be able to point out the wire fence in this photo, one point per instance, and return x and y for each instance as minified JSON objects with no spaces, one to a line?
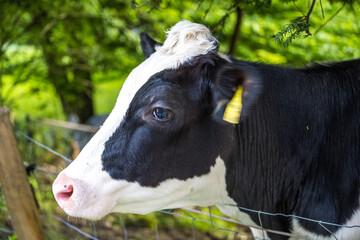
{"x":192,"y":215}
{"x":7,"y":231}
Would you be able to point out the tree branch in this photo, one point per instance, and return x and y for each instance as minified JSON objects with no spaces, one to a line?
{"x":51,"y":24}
{"x":322,"y":9}
{"x":298,"y":8}
{"x":239,"y":14}
{"x":143,"y":4}
{"x":207,"y":10}
{"x":334,"y":15}
{"x":307,"y":17}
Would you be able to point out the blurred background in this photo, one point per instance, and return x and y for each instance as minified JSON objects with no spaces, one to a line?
{"x":67,"y":60}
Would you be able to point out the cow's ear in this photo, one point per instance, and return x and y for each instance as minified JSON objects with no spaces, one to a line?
{"x":148,"y":44}
{"x":235,"y":91}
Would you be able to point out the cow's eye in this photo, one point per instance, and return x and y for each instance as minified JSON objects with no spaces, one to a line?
{"x":162,"y":113}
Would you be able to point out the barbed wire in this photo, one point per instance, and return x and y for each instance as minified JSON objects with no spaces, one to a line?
{"x":321,"y":223}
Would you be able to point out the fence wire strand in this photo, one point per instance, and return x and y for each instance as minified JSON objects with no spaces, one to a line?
{"x":205,"y":221}
{"x":191,"y":218}
{"x":262,"y":228}
{"x":94,"y":229}
{"x":43,"y":146}
{"x":7,"y":231}
{"x":122,"y":222}
{"x":75,"y":228}
{"x":193,"y":229}
{"x":245,"y":225}
{"x":156,"y":227}
{"x":10,"y":232}
{"x":294,"y":216}
{"x":332,"y":234}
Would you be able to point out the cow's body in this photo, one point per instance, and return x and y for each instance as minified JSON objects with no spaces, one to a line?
{"x":299,"y":147}
{"x":165,"y":145}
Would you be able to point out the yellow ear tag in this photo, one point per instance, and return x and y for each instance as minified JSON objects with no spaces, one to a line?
{"x":233,"y":108}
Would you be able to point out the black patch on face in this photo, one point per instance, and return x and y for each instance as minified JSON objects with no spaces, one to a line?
{"x":148,"y":151}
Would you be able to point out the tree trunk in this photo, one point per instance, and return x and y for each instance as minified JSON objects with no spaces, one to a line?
{"x":74,"y":86}
{"x":234,"y":38}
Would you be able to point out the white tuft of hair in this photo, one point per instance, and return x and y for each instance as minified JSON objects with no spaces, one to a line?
{"x":186,"y":40}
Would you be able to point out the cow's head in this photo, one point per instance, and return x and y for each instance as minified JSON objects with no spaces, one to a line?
{"x":162,"y":145}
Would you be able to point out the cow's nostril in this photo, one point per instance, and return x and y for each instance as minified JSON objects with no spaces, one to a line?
{"x":64,"y":194}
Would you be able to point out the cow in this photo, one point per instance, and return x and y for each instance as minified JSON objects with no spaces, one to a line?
{"x":295,"y":148}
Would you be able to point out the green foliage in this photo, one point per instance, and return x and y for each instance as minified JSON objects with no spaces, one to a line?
{"x":105,"y":95}
{"x":296,"y":28}
{"x":154,"y":4}
{"x":13,"y":237}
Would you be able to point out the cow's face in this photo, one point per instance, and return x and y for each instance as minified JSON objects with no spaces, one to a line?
{"x":160,"y":147}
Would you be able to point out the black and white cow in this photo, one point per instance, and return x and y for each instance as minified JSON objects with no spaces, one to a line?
{"x":296,"y":149}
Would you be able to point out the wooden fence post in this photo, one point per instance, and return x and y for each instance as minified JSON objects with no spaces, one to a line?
{"x":15,"y":186}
